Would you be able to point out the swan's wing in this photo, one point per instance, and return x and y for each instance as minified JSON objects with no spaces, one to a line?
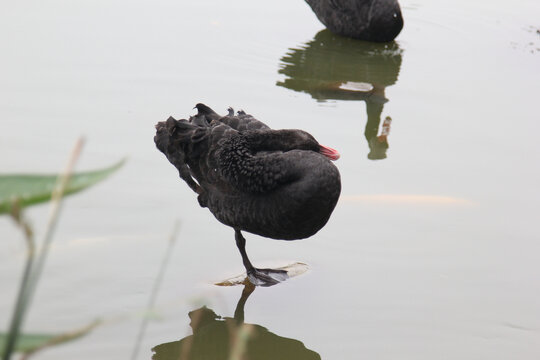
{"x":191,"y":149}
{"x":205,"y":115}
{"x":335,"y":14}
{"x":239,"y":122}
{"x":242,"y":121}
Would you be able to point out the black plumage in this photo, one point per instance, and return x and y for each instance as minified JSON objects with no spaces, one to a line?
{"x":370,"y":20}
{"x":278,"y":184}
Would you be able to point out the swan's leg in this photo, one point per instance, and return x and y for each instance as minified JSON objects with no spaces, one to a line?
{"x":241,"y":244}
{"x":239,"y":312}
{"x":259,"y":277}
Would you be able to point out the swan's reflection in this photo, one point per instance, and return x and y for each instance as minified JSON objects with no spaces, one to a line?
{"x":219,"y":338}
{"x":331,"y":67}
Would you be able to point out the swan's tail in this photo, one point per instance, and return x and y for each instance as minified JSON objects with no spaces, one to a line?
{"x":178,"y":136}
{"x":182,"y":143}
{"x":162,"y":136}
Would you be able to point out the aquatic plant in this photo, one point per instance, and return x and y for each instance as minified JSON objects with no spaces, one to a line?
{"x":16,"y":193}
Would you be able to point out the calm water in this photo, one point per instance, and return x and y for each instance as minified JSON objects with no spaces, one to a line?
{"x":432,"y":251}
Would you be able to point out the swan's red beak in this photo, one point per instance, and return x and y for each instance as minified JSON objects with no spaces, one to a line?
{"x":329,"y":152}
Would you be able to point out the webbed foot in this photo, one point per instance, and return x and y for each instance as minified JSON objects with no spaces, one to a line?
{"x":266,"y":277}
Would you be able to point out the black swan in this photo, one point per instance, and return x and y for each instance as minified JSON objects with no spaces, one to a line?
{"x":274,"y":183}
{"x":370,"y":20}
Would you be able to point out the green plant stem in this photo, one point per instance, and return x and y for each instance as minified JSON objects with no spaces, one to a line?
{"x":62,"y":338}
{"x":19,"y":303}
{"x":33,"y":268}
{"x":56,"y":207}
{"x":155,"y":288}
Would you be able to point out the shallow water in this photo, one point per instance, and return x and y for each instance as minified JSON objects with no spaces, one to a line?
{"x":432,"y":251}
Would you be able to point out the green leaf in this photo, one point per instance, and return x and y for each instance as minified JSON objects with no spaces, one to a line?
{"x":30,"y":189}
{"x":29,"y":343}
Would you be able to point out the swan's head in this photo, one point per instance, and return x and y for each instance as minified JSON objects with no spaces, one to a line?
{"x":304,"y":141}
{"x":287,"y":140}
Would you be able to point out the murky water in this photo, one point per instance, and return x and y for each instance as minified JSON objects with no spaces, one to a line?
{"x":432,"y":251}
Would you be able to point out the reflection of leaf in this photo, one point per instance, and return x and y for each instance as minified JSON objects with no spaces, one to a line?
{"x":30,"y":343}
{"x":34,"y":189}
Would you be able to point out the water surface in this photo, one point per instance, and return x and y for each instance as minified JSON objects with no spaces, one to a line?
{"x":432,"y":251}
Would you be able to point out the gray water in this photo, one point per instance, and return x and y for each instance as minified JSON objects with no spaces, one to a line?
{"x":432,"y":251}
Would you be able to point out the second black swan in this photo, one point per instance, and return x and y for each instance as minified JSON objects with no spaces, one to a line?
{"x":370,"y":20}
{"x":278,"y":184}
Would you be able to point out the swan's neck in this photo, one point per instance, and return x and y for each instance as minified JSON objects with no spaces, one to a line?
{"x":279,"y":140}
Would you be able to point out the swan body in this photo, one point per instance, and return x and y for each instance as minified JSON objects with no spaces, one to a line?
{"x":278,"y":184}
{"x":370,"y":20}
